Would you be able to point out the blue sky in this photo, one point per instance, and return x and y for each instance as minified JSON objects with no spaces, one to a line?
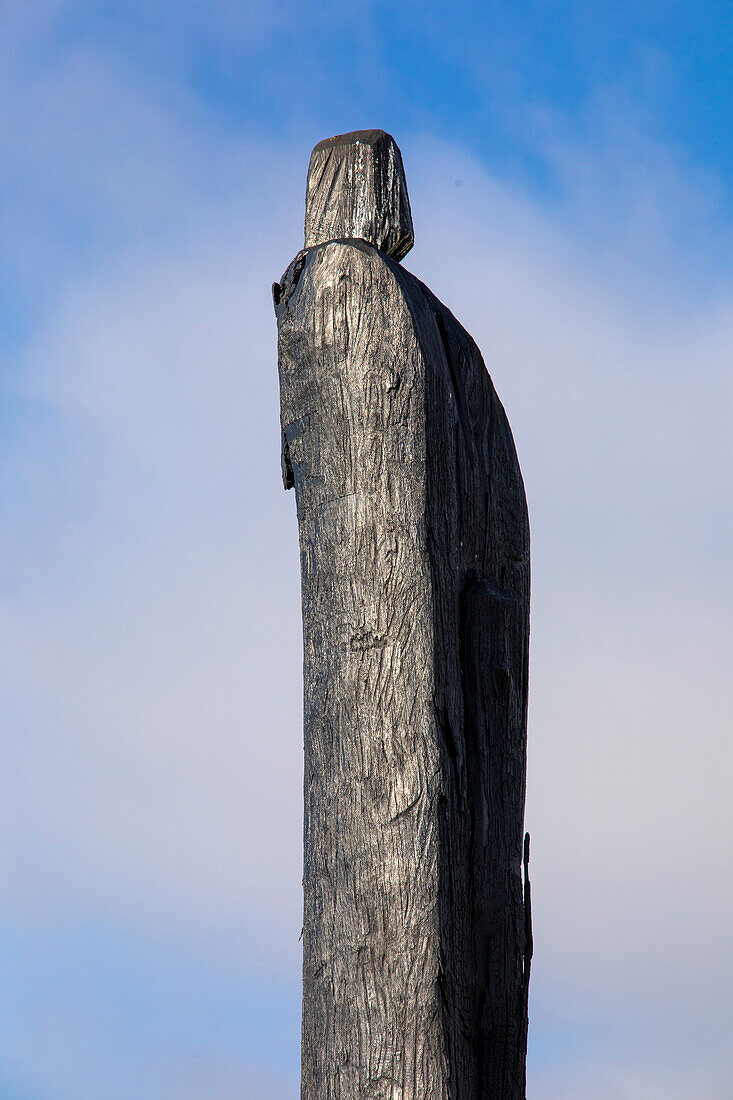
{"x":571,"y":176}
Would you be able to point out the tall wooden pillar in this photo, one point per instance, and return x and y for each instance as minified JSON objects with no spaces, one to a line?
{"x":414,"y":546}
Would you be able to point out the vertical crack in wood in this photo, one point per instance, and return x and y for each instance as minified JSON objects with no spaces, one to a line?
{"x":528,"y":941}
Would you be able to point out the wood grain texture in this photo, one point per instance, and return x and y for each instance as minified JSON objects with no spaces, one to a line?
{"x":357,"y":189}
{"x":414,"y":545}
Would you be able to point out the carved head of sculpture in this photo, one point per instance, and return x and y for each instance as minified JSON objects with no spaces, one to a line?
{"x":357,"y":189}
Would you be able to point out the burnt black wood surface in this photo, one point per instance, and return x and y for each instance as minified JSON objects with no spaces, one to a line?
{"x":414,"y":544}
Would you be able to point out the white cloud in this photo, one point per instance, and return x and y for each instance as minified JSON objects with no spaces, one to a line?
{"x":159,"y":657}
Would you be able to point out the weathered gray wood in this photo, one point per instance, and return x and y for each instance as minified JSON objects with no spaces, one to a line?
{"x":356,"y":189}
{"x":414,"y":546}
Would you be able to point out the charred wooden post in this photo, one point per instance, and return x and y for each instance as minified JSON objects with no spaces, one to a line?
{"x":414,"y":546}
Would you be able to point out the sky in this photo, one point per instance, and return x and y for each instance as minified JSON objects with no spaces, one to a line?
{"x":571,"y":175}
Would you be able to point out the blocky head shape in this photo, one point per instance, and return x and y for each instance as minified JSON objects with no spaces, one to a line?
{"x":357,"y":189}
